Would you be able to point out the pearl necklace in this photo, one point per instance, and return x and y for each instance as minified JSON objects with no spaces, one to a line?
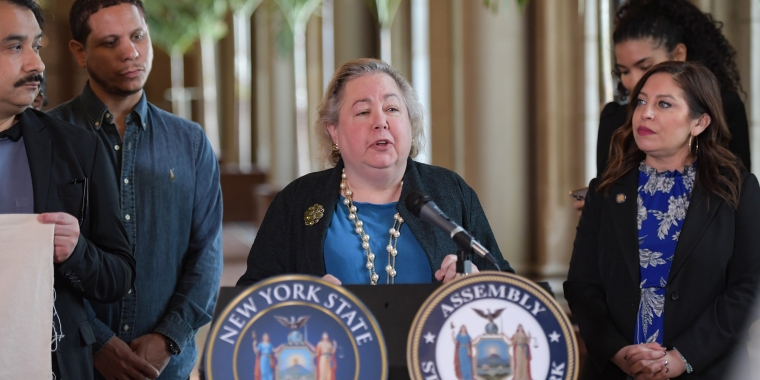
{"x":394,"y":233}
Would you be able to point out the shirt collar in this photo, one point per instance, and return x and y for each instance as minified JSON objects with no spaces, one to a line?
{"x":98,"y":113}
{"x":13,"y":133}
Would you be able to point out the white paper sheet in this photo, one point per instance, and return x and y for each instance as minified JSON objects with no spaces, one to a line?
{"x":26,"y":297}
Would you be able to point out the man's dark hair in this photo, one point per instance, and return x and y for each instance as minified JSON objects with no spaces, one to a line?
{"x":82,"y":10}
{"x":32,"y":6}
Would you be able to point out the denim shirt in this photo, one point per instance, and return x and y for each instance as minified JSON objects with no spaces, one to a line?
{"x":171,"y":204}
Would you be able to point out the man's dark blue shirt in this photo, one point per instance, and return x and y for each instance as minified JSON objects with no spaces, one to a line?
{"x":171,"y":207}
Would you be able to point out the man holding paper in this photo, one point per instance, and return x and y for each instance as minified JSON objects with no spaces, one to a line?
{"x":54,"y":169}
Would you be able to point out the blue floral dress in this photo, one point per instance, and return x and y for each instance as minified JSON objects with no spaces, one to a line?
{"x":662,"y":203}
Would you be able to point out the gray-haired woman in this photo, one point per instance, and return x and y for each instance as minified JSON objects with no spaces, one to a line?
{"x":348,"y":223}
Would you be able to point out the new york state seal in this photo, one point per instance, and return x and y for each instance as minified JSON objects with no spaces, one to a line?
{"x":296,"y":327}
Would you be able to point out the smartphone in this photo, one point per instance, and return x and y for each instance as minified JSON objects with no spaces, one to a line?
{"x":579,"y":194}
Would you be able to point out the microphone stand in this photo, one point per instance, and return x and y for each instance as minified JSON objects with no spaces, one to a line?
{"x":464,"y":262}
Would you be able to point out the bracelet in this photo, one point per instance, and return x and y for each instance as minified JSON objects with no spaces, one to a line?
{"x":689,"y":368}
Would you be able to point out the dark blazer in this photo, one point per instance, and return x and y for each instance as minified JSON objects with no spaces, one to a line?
{"x":711,"y":285}
{"x":284,"y":244}
{"x":614,"y":116}
{"x":101,"y":267}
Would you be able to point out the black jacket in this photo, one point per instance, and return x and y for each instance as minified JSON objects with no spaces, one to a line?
{"x":285,"y":245}
{"x":614,"y":116}
{"x":711,"y":286}
{"x":101,"y":267}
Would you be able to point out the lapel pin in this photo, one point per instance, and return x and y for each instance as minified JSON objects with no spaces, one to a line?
{"x":620,"y":198}
{"x":313,"y":214}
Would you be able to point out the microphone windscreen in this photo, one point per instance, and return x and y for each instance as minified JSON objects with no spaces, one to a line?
{"x":414,"y":202}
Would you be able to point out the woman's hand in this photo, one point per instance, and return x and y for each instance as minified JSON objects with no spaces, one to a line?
{"x":633,"y":354}
{"x":331,"y":279}
{"x":667,"y":367}
{"x":578,"y":205}
{"x":448,"y":269}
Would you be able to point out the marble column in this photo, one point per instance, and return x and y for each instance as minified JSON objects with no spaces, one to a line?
{"x":479,"y":105}
{"x":741,"y":26}
{"x":556,"y":149}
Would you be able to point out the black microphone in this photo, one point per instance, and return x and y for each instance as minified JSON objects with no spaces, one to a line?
{"x":422,"y":207}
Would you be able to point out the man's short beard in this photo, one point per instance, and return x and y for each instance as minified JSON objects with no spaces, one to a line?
{"x":111,"y":89}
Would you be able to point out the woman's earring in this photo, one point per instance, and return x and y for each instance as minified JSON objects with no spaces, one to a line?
{"x":696,"y":145}
{"x":335,"y":148}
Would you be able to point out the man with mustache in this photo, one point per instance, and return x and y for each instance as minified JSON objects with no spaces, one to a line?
{"x":59,"y":171}
{"x":171,"y":201}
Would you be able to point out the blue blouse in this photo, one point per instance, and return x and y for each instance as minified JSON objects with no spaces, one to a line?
{"x":662,"y":203}
{"x":346,"y":259}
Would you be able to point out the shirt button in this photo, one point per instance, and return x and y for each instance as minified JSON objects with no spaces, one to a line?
{"x":126,"y":327}
{"x":108,"y":115}
{"x":127,"y":217}
{"x":126,"y":180}
{"x":97,"y":123}
{"x":116,"y":147}
{"x":674,"y":296}
{"x":129,"y":291}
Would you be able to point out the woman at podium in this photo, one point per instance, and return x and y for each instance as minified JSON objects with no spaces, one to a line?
{"x":348,"y":223}
{"x":666,"y":258}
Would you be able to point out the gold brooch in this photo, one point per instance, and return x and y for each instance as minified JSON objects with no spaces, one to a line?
{"x":313,"y":215}
{"x":620,"y":198}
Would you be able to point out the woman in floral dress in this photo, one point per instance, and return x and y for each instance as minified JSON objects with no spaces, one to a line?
{"x":666,"y":259}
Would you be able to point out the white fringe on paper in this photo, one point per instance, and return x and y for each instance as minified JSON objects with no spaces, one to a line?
{"x":57,"y":328}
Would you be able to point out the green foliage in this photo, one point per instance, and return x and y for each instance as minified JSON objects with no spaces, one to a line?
{"x":246,"y":6}
{"x":493,"y":5}
{"x":297,"y":12}
{"x":292,"y":15}
{"x":211,"y":18}
{"x":175,"y":25}
{"x":283,"y":33}
{"x":386,"y":11}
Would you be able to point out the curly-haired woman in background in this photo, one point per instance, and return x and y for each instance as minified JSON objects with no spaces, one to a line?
{"x":648,"y":32}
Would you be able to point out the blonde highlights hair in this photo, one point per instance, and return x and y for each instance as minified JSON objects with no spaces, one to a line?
{"x":328,"y":111}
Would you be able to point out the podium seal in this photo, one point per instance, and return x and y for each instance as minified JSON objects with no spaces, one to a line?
{"x":296,"y":327}
{"x":491,"y":326}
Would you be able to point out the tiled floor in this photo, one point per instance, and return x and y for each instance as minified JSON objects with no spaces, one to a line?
{"x":237,"y":239}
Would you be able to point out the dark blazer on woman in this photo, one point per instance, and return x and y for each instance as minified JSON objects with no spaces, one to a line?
{"x":614,"y":116}
{"x":102,"y":266}
{"x":285,"y":245}
{"x":711,"y":286}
